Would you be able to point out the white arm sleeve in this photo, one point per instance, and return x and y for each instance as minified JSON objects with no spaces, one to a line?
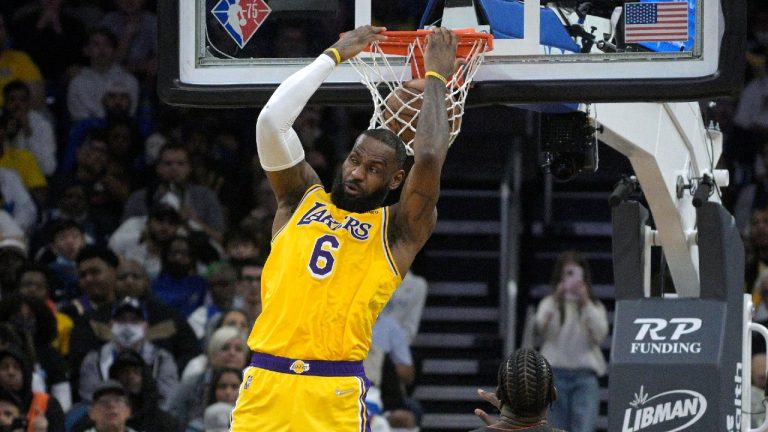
{"x":277,"y":143}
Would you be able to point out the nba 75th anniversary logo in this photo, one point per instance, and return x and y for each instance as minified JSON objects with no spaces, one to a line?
{"x":241,"y":18}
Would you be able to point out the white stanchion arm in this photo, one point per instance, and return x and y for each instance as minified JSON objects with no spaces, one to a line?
{"x":665,"y":143}
{"x":760,"y":329}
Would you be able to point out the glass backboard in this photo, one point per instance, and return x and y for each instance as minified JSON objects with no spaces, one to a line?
{"x":235,"y":52}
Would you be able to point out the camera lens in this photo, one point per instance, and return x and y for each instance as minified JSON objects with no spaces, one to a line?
{"x":563,"y":168}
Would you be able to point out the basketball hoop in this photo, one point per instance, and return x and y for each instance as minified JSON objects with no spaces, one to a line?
{"x":383,"y":77}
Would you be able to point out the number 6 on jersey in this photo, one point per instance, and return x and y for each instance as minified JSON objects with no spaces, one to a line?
{"x":321,"y":261}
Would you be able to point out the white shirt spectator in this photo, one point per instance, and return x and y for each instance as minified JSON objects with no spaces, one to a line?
{"x":407,"y":304}
{"x":127,"y":241}
{"x":202,"y":317}
{"x":17,"y":200}
{"x":573,"y":342}
{"x":87,"y":89}
{"x":390,"y":338}
{"x":41,"y":141}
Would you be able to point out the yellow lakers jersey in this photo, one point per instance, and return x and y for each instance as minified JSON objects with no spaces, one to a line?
{"x":327,"y":278}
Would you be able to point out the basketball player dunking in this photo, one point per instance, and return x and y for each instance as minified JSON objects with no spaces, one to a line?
{"x":336,"y":257}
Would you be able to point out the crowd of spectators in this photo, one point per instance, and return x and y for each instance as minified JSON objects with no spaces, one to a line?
{"x":133,"y":234}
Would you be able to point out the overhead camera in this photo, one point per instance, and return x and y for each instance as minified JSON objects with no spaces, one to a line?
{"x":567,"y":145}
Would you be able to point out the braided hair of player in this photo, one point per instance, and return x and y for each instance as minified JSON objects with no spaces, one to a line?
{"x":526,"y":384}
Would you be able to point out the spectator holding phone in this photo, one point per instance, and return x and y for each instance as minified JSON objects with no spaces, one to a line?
{"x":573,"y":323}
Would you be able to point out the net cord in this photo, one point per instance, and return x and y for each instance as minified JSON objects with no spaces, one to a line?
{"x":382,"y":79}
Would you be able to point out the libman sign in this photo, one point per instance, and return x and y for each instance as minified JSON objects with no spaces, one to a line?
{"x":672,"y":410}
{"x":673,"y":363}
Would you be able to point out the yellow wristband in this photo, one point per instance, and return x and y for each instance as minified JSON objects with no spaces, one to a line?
{"x":336,"y":54}
{"x":434,"y":74}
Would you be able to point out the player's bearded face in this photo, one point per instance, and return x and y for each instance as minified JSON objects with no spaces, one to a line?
{"x":365,"y":201}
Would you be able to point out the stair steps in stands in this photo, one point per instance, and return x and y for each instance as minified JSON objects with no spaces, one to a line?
{"x":458,"y":348}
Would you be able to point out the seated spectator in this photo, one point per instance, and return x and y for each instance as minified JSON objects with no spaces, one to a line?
{"x":167,"y":128}
{"x":15,"y":199}
{"x":60,"y":254}
{"x":234,"y":318}
{"x":129,"y":332}
{"x":178,"y":285}
{"x":21,"y":161}
{"x":13,"y":256}
{"x":259,"y":220}
{"x":106,"y":183}
{"x":219,"y":161}
{"x":233,"y":162}
{"x":391,"y":339}
{"x":197,"y":204}
{"x":220,"y":401}
{"x":33,"y":131}
{"x":111,"y":408}
{"x":96,"y":269}
{"x":90,"y":85}
{"x":407,"y":303}
{"x":43,"y":412}
{"x":71,"y":203}
{"x":524,"y":394}
{"x":217,"y":417}
{"x":135,"y":376}
{"x":136,"y":30}
{"x":248,"y":296}
{"x":42,"y":27}
{"x":143,"y":238}
{"x":166,"y":328}
{"x":36,"y":281}
{"x":227,"y":348}
{"x":117,"y":104}
{"x":225,"y":386}
{"x":124,"y":142}
{"x":395,"y":371}
{"x":36,"y":324}
{"x":240,"y":246}
{"x":18,"y":65}
{"x":222,"y":281}
{"x":11,"y":419}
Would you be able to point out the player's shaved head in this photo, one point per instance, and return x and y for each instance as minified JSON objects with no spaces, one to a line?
{"x":391,"y":140}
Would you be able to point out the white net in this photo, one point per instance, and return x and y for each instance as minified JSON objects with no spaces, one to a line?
{"x":398,"y":93}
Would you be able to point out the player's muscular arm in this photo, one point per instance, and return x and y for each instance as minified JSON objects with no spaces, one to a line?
{"x":280,"y":150}
{"x":415,"y":214}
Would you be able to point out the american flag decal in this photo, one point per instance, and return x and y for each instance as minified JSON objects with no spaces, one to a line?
{"x":656,"y":22}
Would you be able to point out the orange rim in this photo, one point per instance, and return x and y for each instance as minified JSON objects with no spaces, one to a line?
{"x":399,"y":41}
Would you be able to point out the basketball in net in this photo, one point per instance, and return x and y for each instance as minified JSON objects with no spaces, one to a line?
{"x":393,"y":70}
{"x":403,"y":104}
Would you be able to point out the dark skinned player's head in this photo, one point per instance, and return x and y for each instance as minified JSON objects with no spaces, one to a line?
{"x":526,"y":385}
{"x":373,"y":168}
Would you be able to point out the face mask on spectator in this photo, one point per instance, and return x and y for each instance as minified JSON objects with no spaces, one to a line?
{"x":126,"y":334}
